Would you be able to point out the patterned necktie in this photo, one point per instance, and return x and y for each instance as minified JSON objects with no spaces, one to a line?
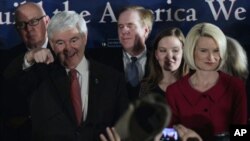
{"x":75,"y":94}
{"x":133,"y":72}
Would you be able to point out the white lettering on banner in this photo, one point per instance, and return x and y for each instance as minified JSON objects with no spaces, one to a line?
{"x":239,"y":11}
{"x":108,"y":12}
{"x":8,"y":14}
{"x":192,"y":16}
{"x":169,"y":1}
{"x":179,"y":15}
{"x":158,"y":15}
{"x":223,"y":9}
{"x":66,"y":7}
{"x":7,"y":18}
{"x":84,"y":13}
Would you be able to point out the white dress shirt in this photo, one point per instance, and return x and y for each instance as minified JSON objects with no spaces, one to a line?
{"x":83,"y":77}
{"x":141,"y":62}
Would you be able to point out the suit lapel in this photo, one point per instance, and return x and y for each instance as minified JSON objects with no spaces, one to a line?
{"x":95,"y":88}
{"x":61,"y":83}
{"x":116,"y":60}
{"x":121,"y":64}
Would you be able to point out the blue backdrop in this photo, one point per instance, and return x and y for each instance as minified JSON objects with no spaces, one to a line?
{"x":232,"y":16}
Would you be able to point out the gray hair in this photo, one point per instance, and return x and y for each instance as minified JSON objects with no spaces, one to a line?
{"x":207,"y":30}
{"x":236,"y":64}
{"x":66,"y":20}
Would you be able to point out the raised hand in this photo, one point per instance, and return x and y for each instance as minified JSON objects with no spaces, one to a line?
{"x":39,"y":55}
{"x":187,"y":134}
{"x":112,"y":135}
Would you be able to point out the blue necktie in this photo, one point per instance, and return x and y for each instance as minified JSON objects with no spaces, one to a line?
{"x":133,"y":72}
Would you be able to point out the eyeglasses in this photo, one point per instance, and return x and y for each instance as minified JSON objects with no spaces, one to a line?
{"x":33,"y":22}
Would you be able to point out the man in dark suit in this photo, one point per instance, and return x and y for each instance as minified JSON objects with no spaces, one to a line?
{"x":31,"y":24}
{"x":134,"y":26}
{"x":102,"y":96}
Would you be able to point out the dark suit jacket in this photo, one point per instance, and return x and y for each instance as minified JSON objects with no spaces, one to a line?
{"x":51,"y":109}
{"x":14,"y":110}
{"x":7,"y":89}
{"x":13,"y":60}
{"x":114,"y":57}
{"x":14,"y":105}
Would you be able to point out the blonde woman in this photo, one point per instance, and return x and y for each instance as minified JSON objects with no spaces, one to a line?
{"x":207,"y":100}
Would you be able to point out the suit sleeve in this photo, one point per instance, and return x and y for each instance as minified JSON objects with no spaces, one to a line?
{"x":26,"y":80}
{"x":122,"y":97}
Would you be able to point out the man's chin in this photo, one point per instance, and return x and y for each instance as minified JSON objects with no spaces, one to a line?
{"x":70,"y":63}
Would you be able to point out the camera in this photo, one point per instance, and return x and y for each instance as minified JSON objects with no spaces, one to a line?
{"x":169,"y":134}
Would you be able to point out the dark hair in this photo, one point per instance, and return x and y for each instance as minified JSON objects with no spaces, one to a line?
{"x":155,"y":71}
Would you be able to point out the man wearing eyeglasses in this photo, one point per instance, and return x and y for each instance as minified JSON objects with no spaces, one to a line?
{"x":31,"y":24}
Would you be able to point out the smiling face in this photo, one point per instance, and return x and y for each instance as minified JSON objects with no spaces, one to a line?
{"x":206,"y":54}
{"x":169,"y":53}
{"x":130,"y":30}
{"x":69,"y":46}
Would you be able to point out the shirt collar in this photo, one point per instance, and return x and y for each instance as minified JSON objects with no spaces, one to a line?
{"x":139,"y":56}
{"x":213,"y":93}
{"x":45,"y":44}
{"x":82,"y":66}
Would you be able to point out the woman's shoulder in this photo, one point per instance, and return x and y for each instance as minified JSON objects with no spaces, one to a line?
{"x":183,"y":80}
{"x":227,"y":77}
{"x":230,"y":80}
{"x":182,"y":83}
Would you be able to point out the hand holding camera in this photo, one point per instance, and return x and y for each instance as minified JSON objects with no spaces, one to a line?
{"x":179,"y":133}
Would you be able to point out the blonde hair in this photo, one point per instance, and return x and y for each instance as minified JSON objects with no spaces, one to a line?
{"x":201,"y":30}
{"x":146,"y":15}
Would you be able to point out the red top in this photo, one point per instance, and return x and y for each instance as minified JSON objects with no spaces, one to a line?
{"x":210,"y":112}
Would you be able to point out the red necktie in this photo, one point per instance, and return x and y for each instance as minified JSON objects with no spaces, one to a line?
{"x":75,"y":94}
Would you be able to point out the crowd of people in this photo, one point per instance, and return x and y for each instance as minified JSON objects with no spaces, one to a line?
{"x":65,"y":91}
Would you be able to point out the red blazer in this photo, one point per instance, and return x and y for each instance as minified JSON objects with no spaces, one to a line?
{"x":209,"y":112}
